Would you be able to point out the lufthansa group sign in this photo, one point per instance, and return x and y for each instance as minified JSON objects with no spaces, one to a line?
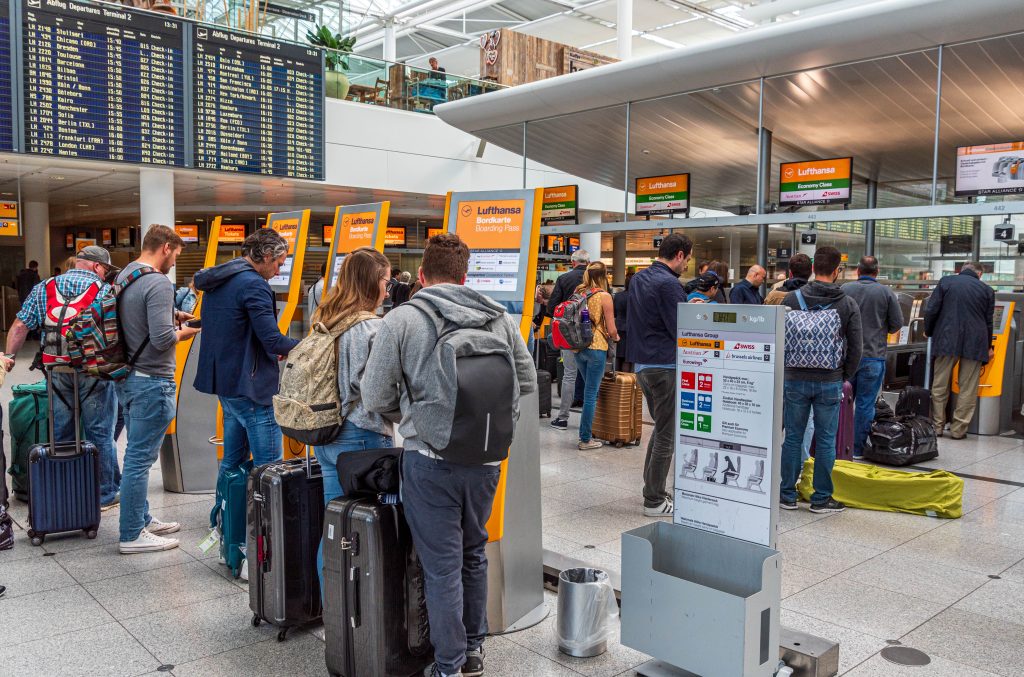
{"x":816,"y":182}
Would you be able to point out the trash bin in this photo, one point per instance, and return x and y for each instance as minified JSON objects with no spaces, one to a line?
{"x":586,"y":602}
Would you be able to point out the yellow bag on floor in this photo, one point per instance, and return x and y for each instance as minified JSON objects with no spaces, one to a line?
{"x":936,"y":494}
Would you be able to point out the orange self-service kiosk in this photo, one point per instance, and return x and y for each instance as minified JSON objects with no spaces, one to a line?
{"x":502,"y":231}
{"x":993,"y":415}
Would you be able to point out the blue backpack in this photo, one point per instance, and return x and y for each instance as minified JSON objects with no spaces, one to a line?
{"x":814,"y":337}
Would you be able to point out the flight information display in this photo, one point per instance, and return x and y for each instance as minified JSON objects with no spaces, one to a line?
{"x":103,"y":83}
{"x":6,"y":102}
{"x":258,"y":105}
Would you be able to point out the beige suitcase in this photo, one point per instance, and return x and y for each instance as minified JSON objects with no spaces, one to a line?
{"x":619,"y":415}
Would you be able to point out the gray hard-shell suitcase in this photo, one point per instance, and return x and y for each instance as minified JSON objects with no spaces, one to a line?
{"x":375,"y":616}
{"x":284,"y":521}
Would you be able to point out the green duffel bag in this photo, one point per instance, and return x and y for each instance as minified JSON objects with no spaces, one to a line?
{"x":27,"y":419}
{"x":938,"y":493}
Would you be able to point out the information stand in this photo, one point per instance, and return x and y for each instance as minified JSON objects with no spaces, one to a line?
{"x":702,"y":595}
{"x":502,"y":230}
{"x":188,"y":456}
{"x":287,"y":284}
{"x":356,"y":226}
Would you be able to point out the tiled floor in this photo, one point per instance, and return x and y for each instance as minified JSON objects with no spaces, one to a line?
{"x":954,"y":589}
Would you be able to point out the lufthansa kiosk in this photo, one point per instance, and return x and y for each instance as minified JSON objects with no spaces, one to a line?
{"x":502,"y":231}
{"x":355,"y":226}
{"x":702,"y":595}
{"x":287,"y":284}
{"x":996,"y":387}
{"x":192,"y":446}
{"x":188,"y":457}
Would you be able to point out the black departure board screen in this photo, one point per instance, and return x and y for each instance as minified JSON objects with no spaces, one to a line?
{"x":258,"y":105}
{"x":6,"y":102}
{"x":103,"y":83}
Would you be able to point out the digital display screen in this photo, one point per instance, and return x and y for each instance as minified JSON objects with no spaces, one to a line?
{"x":258,"y":105}
{"x":101,"y":82}
{"x":6,"y":104}
{"x":997,"y":318}
{"x":994,"y":169}
{"x":724,"y":317}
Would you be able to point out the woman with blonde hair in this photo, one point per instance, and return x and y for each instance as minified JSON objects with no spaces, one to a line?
{"x":349,"y":307}
{"x":591,"y":360}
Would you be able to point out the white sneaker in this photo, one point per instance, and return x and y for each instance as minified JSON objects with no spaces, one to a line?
{"x":244,"y":571}
{"x":158,"y":528}
{"x":663,"y":510}
{"x":147,"y":542}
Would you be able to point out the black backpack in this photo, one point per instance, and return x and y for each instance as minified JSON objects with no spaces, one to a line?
{"x":477,"y":373}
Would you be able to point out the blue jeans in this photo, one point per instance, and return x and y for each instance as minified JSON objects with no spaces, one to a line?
{"x":822,"y":398}
{"x":447,"y":507}
{"x":867,"y":383}
{"x":98,"y":405}
{"x":591,"y":365}
{"x":148,"y":404}
{"x":249,"y":428}
{"x":352,"y":438}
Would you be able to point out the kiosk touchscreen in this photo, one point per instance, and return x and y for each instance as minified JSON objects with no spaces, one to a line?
{"x":356,"y":226}
{"x":188,"y":456}
{"x":502,"y":231}
{"x":703,"y":594}
{"x":993,"y":415}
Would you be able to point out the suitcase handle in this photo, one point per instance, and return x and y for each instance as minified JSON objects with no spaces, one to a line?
{"x":355,"y":617}
{"x":76,"y":410}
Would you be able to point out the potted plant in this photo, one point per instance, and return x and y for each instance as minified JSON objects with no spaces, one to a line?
{"x":337,"y":48}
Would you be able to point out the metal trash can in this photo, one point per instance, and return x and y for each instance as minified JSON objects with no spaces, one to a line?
{"x":586,"y":601}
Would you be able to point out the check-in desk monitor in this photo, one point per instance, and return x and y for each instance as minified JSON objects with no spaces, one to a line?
{"x":355,"y":226}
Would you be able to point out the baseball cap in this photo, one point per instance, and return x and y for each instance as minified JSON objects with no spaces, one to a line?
{"x":96,"y":254}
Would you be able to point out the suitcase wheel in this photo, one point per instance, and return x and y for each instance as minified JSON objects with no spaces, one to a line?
{"x":282,"y":634}
{"x":37,"y":539}
{"x":256,"y":621}
{"x":619,"y":444}
{"x":90,"y":533}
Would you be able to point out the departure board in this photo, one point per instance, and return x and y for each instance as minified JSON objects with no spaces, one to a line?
{"x":103,"y":83}
{"x":258,"y":105}
{"x":6,"y":100}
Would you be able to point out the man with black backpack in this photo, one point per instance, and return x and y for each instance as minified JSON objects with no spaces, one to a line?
{"x":823,"y":349}
{"x":453,"y":363}
{"x":49,"y":308}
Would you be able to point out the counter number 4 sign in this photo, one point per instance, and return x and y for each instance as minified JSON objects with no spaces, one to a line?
{"x":1004,"y":233}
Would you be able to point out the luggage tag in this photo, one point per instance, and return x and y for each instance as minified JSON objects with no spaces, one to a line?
{"x":212,"y":539}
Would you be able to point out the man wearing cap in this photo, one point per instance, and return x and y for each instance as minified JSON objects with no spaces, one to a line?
{"x":97,"y":399}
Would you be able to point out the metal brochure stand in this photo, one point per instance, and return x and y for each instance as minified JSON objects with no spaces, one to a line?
{"x":502,"y":230}
{"x":702,"y":595}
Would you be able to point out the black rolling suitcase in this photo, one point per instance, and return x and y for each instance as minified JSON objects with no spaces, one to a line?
{"x":63,"y":481}
{"x":375,"y":616}
{"x":284,"y":519}
{"x":544,"y":391}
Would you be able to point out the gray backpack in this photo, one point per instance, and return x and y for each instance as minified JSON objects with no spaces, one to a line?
{"x":308,"y":404}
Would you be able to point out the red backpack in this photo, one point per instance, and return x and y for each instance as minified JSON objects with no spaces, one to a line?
{"x":60,"y":311}
{"x":571,"y":327}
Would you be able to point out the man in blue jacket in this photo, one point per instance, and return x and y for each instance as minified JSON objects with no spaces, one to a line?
{"x":958,"y":319}
{"x":238,"y":357}
{"x":654,"y":294}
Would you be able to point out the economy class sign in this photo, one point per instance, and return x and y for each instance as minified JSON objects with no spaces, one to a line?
{"x":816,"y":182}
{"x":668,"y":194}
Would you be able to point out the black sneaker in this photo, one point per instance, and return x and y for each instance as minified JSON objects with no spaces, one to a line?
{"x":474,"y":665}
{"x":433,"y":671}
{"x":788,"y":505}
{"x":831,"y":505}
{"x":2,"y":590}
{"x":560,"y":423}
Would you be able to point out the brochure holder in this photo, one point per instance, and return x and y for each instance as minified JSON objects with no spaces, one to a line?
{"x":700,"y":602}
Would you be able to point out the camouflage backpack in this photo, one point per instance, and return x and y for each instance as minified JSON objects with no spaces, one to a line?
{"x":308,"y":405}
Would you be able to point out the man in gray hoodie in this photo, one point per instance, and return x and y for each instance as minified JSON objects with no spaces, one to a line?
{"x":818,"y":391}
{"x":447,"y":504}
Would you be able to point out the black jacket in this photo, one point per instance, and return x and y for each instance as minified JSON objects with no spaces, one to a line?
{"x":821,"y":293}
{"x":25,"y":281}
{"x":565,"y":285}
{"x":744,"y":292}
{"x":958,"y":317}
{"x":620,"y":302}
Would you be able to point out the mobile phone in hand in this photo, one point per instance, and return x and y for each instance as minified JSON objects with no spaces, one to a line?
{"x":194,"y":324}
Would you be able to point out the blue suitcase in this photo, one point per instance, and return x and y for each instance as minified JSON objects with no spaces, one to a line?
{"x":64,"y":482}
{"x":228,"y":516}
